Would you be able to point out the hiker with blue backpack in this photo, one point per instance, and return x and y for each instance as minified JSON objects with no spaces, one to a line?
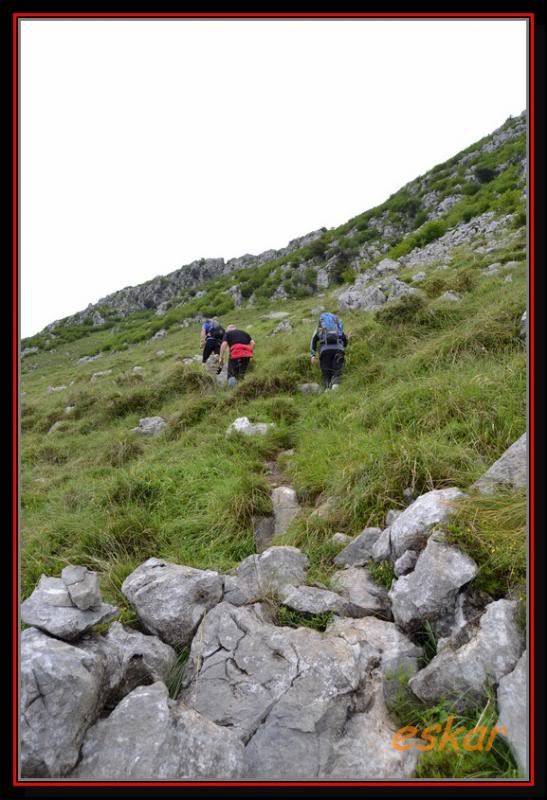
{"x":329,"y":336}
{"x":211,"y":336}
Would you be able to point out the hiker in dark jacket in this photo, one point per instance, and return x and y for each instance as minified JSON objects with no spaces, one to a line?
{"x":241,"y":349}
{"x":212,"y":334}
{"x":329,"y":336}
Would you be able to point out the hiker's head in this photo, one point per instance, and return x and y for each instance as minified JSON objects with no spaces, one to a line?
{"x":231,"y":328}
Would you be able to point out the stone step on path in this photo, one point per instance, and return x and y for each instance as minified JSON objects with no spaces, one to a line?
{"x":285,"y":509}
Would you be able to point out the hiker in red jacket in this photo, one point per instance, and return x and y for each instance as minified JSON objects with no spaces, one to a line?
{"x":241,"y":350}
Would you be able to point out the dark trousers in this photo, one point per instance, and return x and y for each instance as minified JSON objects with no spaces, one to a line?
{"x":332,"y":364}
{"x":237,"y":367}
{"x":211,"y":346}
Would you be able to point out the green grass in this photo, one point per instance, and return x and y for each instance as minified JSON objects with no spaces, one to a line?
{"x":497,"y":762}
{"x":492,"y":530}
{"x":428,"y":400}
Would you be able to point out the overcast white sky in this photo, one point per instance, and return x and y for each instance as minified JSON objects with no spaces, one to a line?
{"x":148,"y":144}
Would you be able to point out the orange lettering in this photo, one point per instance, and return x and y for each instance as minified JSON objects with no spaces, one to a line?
{"x":493,"y":733}
{"x":450,"y":736}
{"x":467,"y":743}
{"x":404,"y":733}
{"x":426,"y":734}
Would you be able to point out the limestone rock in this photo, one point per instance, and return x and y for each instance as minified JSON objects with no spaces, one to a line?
{"x":289,"y":690}
{"x":149,"y":737}
{"x":358,"y":298}
{"x":366,"y":734}
{"x":511,"y":469}
{"x":247,"y":428}
{"x":89,"y":359}
{"x":394,"y":648}
{"x":429,"y":592}
{"x":405,"y":563}
{"x":363,"y":594}
{"x":462,"y":675}
{"x":265,"y":574}
{"x":512,"y":706}
{"x":381,"y":549}
{"x":391,"y":516}
{"x":171,"y":599}
{"x":61,"y":695}
{"x":358,"y":552}
{"x":309,"y":388}
{"x":411,"y":529}
{"x":51,"y":609}
{"x":285,"y":508}
{"x":100,"y":374}
{"x":340,"y":539}
{"x":523,"y":331}
{"x":283,"y":327}
{"x":131,"y":659}
{"x":451,"y":297}
{"x":150,"y":426}
{"x":83,"y":587}
{"x":264,"y":530}
{"x":312,"y":600}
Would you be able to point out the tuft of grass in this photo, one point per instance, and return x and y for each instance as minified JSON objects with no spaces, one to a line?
{"x":176,"y":675}
{"x":382,"y":573}
{"x":491,"y":528}
{"x":121,"y":451}
{"x":294,"y":619}
{"x":498,"y":762}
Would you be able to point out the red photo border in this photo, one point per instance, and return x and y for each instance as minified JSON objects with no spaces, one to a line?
{"x":530,"y":16}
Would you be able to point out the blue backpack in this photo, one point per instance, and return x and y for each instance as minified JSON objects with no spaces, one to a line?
{"x":330,"y":329}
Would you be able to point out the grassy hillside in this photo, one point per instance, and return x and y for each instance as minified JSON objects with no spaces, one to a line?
{"x":433,"y":392}
{"x":431,"y":396}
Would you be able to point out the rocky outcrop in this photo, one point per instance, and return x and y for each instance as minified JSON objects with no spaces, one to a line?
{"x":130,"y":659}
{"x":411,"y":529}
{"x":51,"y":609}
{"x":428,"y":593}
{"x":291,"y":693}
{"x":170,"y":599}
{"x":313,"y":600}
{"x":82,"y":586}
{"x":150,"y":426}
{"x":149,"y":737}
{"x":359,"y":551}
{"x":510,"y":470}
{"x":463,"y":675}
{"x":285,"y":508}
{"x":264,"y":575}
{"x":61,"y":695}
{"x":512,"y":706}
{"x":247,"y":428}
{"x":363,"y":595}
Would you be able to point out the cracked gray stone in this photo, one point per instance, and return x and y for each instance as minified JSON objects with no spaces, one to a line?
{"x":363,"y":594}
{"x":511,"y":469}
{"x":131,"y":659}
{"x":83,"y":586}
{"x":429,"y":592}
{"x":412,"y":528}
{"x":171,"y":599}
{"x":150,"y":737}
{"x":50,"y":609}
{"x":463,"y":674}
{"x":265,"y":574}
{"x":512,"y":706}
{"x":359,"y":551}
{"x":61,"y":695}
